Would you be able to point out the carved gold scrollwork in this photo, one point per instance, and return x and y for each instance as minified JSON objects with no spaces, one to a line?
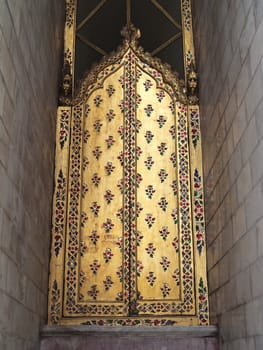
{"x":192,"y":85}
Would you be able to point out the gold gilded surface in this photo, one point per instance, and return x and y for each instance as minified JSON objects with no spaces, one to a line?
{"x":128,"y":239}
{"x":102,"y":201}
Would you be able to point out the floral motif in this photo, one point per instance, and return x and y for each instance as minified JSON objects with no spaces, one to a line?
{"x":107,"y":283}
{"x":147,"y":84}
{"x":119,"y":214}
{"x":110,"y":90}
{"x":138,"y":152}
{"x":87,"y":110}
{"x":151,"y":278}
{"x":162,"y":175}
{"x":108,"y":225}
{"x":162,"y":148}
{"x":83,"y":249}
{"x":122,"y":80}
{"x":173,"y":159}
{"x":121,"y":158}
{"x":138,"y":75}
{"x":163,"y":203}
{"x":119,"y":296}
{"x":139,"y":238}
{"x":123,"y":106}
{"x":119,"y":243}
{"x":108,"y":196}
{"x":148,"y":110}
{"x":55,"y":303}
{"x":174,"y":187}
{"x":97,"y":125}
{"x":64,"y":127}
{"x":119,"y":273}
{"x":110,"y":115}
{"x":121,"y":131}
{"x":138,"y":125}
{"x":120,"y":185}
{"x":97,"y":152}
{"x":172,"y":107}
{"x":203,"y":303}
{"x":161,"y":121}
{"x":172,"y":131}
{"x":110,"y":141}
{"x":160,"y":95}
{"x":94,"y":266}
{"x":94,"y":237}
{"x":175,"y":215}
{"x":149,"y":191}
{"x":138,"y":100}
{"x":60,"y":211}
{"x":150,"y":250}
{"x":164,"y":232}
{"x":85,"y":163}
{"x":109,"y":168}
{"x":83,"y":219}
{"x":149,"y":136}
{"x":175,"y":244}
{"x":138,"y":180}
{"x":97,"y":100}
{"x":165,"y":289}
{"x":195,"y":127}
{"x":96,"y":179}
{"x":95,"y":208}
{"x":82,"y":278}
{"x":199,"y":212}
{"x":139,"y":209}
{"x":150,"y":220}
{"x":93,"y":292}
{"x":107,"y":255}
{"x":84,"y":189}
{"x":140,"y":267}
{"x":149,"y":162}
{"x":176,"y":276}
{"x":200,"y":240}
{"x":86,"y":136}
{"x":165,"y":263}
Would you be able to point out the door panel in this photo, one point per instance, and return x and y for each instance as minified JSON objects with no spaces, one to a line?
{"x":129,"y":250}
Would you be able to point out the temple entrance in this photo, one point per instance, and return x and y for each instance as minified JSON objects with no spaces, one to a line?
{"x":128,"y":223}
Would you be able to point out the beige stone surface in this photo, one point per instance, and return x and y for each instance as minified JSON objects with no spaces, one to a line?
{"x":30,"y":46}
{"x":230,"y":61}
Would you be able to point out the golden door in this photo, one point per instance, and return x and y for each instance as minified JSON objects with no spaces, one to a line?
{"x":128,"y":226}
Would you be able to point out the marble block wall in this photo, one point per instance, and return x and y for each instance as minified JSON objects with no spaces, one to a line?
{"x":230,"y":63}
{"x":30,"y":59}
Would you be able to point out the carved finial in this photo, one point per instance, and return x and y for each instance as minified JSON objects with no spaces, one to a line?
{"x":131,"y":34}
{"x":192,"y":83}
{"x":67,"y":79}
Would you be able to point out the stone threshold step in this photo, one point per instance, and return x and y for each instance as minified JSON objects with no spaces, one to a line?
{"x":142,"y":331}
{"x":128,"y":338}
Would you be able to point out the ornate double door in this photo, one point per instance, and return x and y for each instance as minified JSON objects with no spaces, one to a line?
{"x":128,"y":233}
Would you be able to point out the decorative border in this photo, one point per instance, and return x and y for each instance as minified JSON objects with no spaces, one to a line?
{"x":56,"y":280}
{"x":131,"y":36}
{"x":55,"y":306}
{"x":59,"y":220}
{"x":189,"y":52}
{"x":64,"y":126}
{"x":203,"y":303}
{"x":186,"y":12}
{"x":195,"y":126}
{"x":70,"y":13}
{"x":199,"y":212}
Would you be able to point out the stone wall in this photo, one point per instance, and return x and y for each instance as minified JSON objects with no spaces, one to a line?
{"x":230,"y":62}
{"x":30,"y":47}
